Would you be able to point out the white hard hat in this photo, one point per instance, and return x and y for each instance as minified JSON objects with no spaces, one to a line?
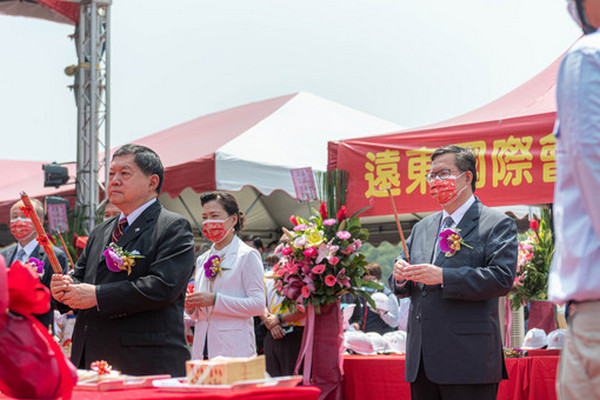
{"x":556,"y":339}
{"x":378,"y":342}
{"x":396,"y":342}
{"x":381,"y":301}
{"x":358,"y":342}
{"x":535,"y":339}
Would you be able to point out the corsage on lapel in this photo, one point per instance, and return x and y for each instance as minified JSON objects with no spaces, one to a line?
{"x":450,"y":241}
{"x":118,"y":259}
{"x":212,"y":267}
{"x":36,"y":265}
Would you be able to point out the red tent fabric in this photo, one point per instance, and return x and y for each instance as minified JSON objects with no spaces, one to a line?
{"x":511,"y":137}
{"x":61,"y":11}
{"x":65,"y":8}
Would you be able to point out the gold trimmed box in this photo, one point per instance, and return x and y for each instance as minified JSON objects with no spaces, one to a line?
{"x":225,"y":370}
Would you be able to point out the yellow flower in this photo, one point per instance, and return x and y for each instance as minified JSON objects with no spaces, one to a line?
{"x":314,"y":237}
{"x":128,"y":262}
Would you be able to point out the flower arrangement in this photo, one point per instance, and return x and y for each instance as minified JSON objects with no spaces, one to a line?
{"x":212,"y":267}
{"x":118,"y":259}
{"x":450,"y":241}
{"x":535,"y":257}
{"x":319,"y":260}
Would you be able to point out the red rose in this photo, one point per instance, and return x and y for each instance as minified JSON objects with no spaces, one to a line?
{"x":293,"y":220}
{"x":341,"y":214}
{"x":533,"y":224}
{"x":323,"y":210}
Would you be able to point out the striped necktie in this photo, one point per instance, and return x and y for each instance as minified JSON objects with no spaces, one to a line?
{"x":119,"y":229}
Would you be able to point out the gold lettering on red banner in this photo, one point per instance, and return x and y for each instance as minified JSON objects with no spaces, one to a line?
{"x":511,"y":161}
{"x":478,"y":147}
{"x":419,"y":162}
{"x":547,"y":157}
{"x":382,"y":172}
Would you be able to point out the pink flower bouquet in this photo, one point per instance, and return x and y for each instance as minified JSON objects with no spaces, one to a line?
{"x":319,"y":260}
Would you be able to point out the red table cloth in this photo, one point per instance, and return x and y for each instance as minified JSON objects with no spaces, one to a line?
{"x":267,"y":393}
{"x":382,"y":377}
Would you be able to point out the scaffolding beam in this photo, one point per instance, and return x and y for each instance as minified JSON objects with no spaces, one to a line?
{"x":92,"y":96}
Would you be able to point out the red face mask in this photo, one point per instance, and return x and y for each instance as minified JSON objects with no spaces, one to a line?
{"x":444,"y":191}
{"x":21,"y":228}
{"x":214,"y":230}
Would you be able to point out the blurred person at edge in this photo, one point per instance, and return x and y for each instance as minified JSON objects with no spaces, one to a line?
{"x":223,"y":305}
{"x":383,"y":319}
{"x":21,"y":227}
{"x":454,"y":347}
{"x":575,"y":273}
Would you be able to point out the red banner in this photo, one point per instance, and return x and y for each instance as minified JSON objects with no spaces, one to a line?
{"x":515,"y":164}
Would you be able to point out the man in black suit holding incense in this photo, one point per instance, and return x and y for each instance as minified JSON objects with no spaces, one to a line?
{"x":462,"y":259}
{"x":129,"y":284}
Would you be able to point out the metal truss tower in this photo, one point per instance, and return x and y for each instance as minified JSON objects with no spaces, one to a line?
{"x":92,"y":95}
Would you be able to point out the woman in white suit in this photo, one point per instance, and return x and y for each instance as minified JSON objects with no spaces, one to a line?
{"x":229,"y":284}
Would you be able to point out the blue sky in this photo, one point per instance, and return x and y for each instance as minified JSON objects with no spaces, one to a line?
{"x":410,"y":62}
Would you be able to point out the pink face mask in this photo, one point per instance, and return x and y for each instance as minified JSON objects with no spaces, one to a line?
{"x":21,"y":228}
{"x":214,"y":230}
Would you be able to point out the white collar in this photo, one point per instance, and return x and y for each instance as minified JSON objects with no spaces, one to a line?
{"x":29,"y":247}
{"x":224,"y":250}
{"x":137,"y":212}
{"x":460,"y":211}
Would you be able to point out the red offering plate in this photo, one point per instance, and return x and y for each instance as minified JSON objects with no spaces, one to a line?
{"x":121,"y":382}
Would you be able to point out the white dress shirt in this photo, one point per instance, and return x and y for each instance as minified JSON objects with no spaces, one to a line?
{"x":575,"y":272}
{"x":29,"y":248}
{"x":460,"y":212}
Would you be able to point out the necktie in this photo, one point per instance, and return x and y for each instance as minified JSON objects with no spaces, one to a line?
{"x":448,"y":222}
{"x":21,"y":255}
{"x":119,"y":229}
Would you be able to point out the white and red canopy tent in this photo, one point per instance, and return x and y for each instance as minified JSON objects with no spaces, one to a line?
{"x":247,"y":150}
{"x":512,"y":138}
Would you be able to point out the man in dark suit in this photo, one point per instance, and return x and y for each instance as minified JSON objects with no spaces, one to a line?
{"x":133,"y":320}
{"x":454,"y":348}
{"x":21,"y":227}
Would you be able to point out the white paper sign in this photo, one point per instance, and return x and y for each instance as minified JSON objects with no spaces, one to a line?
{"x":57,"y":217}
{"x":304,"y":184}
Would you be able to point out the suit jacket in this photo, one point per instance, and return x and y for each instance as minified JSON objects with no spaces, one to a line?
{"x":455,"y":329}
{"x":9,"y":254}
{"x":228,"y":326}
{"x":137,"y":326}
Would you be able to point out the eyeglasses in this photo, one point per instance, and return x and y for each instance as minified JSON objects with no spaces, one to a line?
{"x":442,"y":174}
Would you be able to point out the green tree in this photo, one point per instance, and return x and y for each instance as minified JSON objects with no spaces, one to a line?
{"x":385,"y":255}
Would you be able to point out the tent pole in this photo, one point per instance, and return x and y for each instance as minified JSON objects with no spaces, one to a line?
{"x":190,"y":212}
{"x":253,"y":204}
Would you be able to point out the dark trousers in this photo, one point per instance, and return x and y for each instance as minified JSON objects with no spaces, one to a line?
{"x":281,"y":354}
{"x":423,"y":389}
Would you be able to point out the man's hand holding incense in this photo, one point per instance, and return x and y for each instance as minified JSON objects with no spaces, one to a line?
{"x":59,"y":285}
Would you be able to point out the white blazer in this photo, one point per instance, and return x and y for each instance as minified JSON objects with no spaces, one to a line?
{"x":228,"y":326}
